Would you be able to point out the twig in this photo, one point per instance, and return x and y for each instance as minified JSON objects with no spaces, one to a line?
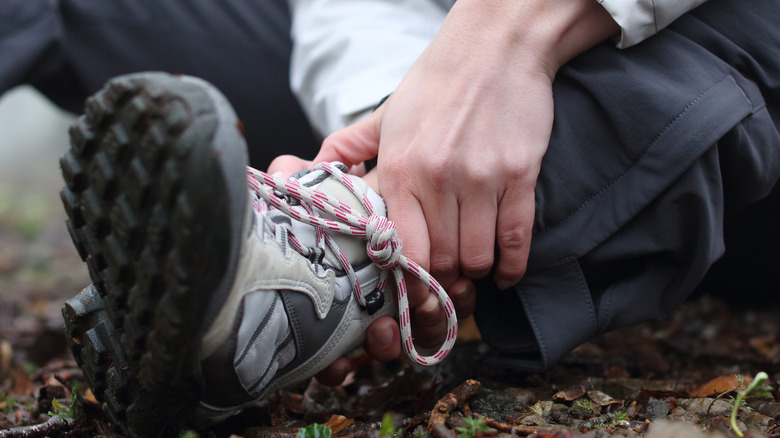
{"x":451,"y":401}
{"x":507,"y":428}
{"x":717,"y":397}
{"x":415,"y":421}
{"x":52,"y":425}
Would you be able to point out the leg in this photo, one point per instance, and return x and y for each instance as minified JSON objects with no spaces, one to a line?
{"x":652,"y":149}
{"x":69,"y":48}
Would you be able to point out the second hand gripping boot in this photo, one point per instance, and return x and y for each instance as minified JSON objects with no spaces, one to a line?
{"x":214,"y":283}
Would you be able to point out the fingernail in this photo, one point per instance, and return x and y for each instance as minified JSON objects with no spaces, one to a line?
{"x":430,"y":306}
{"x":460,"y":291}
{"x":504,"y":284}
{"x":382,"y":337}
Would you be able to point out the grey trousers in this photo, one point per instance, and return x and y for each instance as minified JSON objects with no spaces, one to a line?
{"x":658,"y":152}
{"x":68,"y":48}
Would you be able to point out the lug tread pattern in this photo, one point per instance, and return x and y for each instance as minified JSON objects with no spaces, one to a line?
{"x":131,"y":331}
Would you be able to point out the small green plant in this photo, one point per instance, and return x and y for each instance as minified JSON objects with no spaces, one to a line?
{"x":63,"y":411}
{"x":387,"y":428}
{"x":621,"y":416}
{"x":6,"y":403}
{"x":60,"y":410}
{"x":315,"y":430}
{"x":757,"y":387}
{"x":586,"y":405}
{"x":30,"y":367}
{"x":473,"y":425}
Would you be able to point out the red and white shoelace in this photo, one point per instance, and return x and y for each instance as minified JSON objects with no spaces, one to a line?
{"x":383,"y":247}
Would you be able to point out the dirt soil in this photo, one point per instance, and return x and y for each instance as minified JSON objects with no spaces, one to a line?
{"x":670,"y":379}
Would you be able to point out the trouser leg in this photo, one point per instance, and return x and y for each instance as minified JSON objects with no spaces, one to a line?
{"x":30,"y":50}
{"x":652,"y":149}
{"x":69,"y":48}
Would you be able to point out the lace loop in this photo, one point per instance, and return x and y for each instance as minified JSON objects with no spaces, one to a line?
{"x":382,"y":246}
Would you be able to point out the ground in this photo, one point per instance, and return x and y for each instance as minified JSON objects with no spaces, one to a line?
{"x":676,"y":378}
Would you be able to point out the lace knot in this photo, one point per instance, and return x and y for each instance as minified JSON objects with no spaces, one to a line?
{"x":383,"y":247}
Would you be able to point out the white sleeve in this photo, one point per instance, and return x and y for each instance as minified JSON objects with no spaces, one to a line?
{"x":349,"y":54}
{"x":639,"y":19}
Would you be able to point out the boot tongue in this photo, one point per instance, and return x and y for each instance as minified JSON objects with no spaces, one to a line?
{"x":353,"y":247}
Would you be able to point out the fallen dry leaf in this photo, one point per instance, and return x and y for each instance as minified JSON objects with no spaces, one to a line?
{"x":602,"y":399}
{"x":720,"y":384}
{"x":570,"y":394}
{"x":337,"y":423}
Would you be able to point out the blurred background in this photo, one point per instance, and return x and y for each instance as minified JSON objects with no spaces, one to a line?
{"x":39,"y":268}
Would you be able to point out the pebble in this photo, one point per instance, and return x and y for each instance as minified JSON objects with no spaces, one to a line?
{"x":683,"y":416}
{"x":757,"y":421}
{"x":701,"y":406}
{"x":768,"y":408}
{"x":657,"y":409}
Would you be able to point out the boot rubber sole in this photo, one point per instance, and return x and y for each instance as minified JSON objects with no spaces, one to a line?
{"x":155,"y":194}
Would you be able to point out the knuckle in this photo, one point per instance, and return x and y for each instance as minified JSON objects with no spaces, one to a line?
{"x":478,"y":264}
{"x":513,"y":271}
{"x":330,"y":142}
{"x":444,"y":265}
{"x":476,"y":175}
{"x":516,"y":271}
{"x":396,"y":170}
{"x":512,"y":238}
{"x":439,"y":172}
{"x":520,"y":172}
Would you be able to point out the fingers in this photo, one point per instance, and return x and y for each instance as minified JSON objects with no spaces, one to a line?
{"x":513,"y":236}
{"x":430,"y":322}
{"x":383,"y":339}
{"x":352,"y":145}
{"x":286,"y":165}
{"x":442,"y":221}
{"x":463,"y":294}
{"x":405,"y":211}
{"x":477,"y":230}
{"x":335,"y":373}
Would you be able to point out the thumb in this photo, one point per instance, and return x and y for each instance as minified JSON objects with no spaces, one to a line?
{"x":285,"y":165}
{"x":354,"y":144}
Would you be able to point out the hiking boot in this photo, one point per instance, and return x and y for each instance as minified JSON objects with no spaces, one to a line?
{"x":214,"y":283}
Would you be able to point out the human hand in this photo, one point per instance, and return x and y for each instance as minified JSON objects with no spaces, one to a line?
{"x":444,"y":141}
{"x":461,"y":140}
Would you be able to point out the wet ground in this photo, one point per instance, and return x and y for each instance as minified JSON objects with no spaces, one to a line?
{"x":677,"y":378}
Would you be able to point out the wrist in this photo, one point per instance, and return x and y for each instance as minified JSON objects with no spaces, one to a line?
{"x":540,"y":34}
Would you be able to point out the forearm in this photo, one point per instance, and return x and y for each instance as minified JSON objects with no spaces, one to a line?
{"x":537,"y":34}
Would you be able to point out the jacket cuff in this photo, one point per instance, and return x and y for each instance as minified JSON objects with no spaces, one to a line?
{"x":640,"y":19}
